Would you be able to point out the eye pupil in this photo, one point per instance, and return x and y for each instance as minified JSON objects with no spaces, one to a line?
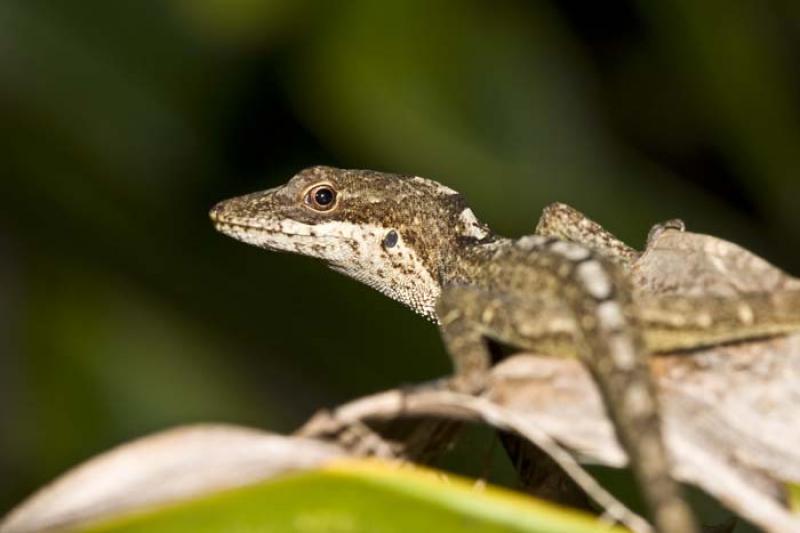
{"x":390,"y":240}
{"x":323,"y":196}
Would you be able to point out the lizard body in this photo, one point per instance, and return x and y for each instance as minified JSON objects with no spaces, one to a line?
{"x":563,"y":291}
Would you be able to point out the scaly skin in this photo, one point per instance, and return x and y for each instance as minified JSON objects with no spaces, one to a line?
{"x":562,"y":292}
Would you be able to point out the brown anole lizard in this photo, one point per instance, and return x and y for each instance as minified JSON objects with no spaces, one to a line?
{"x":563,"y":291}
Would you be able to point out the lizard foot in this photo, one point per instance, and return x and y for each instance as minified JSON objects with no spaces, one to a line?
{"x":657,"y":229}
{"x":473,"y":383}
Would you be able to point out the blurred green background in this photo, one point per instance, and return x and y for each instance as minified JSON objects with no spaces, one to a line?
{"x":121,"y":123}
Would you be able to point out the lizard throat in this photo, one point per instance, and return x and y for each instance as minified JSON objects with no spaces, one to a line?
{"x":420,"y":295}
{"x":354,"y":250}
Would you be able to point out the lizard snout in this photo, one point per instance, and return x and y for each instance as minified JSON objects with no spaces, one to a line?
{"x":215,"y":213}
{"x":244,"y":210}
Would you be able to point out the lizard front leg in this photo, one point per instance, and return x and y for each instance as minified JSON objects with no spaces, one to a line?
{"x":461,"y":325}
{"x":471,"y":316}
{"x":602,"y":332}
{"x":467,"y":314}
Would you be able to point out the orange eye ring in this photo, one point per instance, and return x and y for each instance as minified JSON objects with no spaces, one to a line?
{"x":321,"y":197}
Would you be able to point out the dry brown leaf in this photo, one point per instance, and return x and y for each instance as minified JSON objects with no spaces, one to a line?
{"x":169,"y":466}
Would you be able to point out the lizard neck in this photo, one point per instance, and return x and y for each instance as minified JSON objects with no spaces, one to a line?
{"x":420,"y":262}
{"x":467,"y":263}
{"x":419,"y":283}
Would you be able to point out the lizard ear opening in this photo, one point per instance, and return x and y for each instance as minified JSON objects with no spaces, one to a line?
{"x":390,"y":241}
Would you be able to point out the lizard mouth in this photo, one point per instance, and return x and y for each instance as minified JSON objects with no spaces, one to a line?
{"x":280,"y":240}
{"x":236,"y":229}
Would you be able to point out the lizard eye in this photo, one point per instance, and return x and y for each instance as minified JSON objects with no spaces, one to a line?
{"x":320,"y":197}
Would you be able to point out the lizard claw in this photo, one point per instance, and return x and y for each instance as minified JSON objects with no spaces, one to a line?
{"x":472,"y":383}
{"x":657,"y":229}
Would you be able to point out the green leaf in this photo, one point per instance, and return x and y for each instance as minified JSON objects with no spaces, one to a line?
{"x":360,"y":496}
{"x":794,"y":498}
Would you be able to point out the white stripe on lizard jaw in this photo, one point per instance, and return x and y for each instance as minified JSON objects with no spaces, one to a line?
{"x":397,"y":272}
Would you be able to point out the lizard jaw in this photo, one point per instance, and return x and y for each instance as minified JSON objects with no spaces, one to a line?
{"x":277,"y":239}
{"x":346,"y":248}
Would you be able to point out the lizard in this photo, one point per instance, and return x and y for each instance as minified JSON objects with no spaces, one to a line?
{"x":562,"y":291}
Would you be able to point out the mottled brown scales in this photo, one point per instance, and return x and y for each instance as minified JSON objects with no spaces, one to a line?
{"x":563,"y":292}
{"x":565,"y":223}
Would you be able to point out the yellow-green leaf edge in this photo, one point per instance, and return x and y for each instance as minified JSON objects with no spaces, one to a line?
{"x":359,"y":495}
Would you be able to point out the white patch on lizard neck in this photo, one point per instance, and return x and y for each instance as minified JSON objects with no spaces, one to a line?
{"x":472,"y":226}
{"x":396,"y":272}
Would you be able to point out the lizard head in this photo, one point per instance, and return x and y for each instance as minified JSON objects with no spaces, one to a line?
{"x":391,"y":232}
